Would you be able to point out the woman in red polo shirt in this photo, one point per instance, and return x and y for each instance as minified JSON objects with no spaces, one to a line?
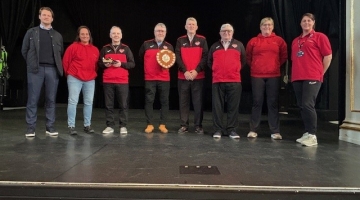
{"x":311,"y":56}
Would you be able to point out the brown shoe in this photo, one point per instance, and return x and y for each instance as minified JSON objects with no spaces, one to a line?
{"x":149,"y":128}
{"x":162,"y":128}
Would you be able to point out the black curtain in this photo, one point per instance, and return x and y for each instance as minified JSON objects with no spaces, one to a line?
{"x":287,"y":16}
{"x":11,"y":21}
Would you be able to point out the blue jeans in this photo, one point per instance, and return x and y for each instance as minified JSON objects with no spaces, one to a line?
{"x":48,"y":77}
{"x":75,"y":86}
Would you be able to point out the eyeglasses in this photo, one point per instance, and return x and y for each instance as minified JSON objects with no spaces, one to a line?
{"x":226,"y":31}
{"x":266,"y":24}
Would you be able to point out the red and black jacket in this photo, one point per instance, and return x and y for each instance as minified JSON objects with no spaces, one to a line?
{"x":191,"y":55}
{"x":152,"y":70}
{"x":117,"y":74}
{"x":226,"y":64}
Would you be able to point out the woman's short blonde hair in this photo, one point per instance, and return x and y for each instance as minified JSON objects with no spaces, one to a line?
{"x":267,"y":19}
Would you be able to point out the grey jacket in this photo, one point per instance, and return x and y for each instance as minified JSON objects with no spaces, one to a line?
{"x":30,"y":49}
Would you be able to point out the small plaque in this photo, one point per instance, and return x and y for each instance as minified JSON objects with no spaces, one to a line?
{"x":165,"y":58}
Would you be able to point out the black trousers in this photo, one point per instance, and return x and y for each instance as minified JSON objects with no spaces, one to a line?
{"x":121,"y":92}
{"x":150,"y":91}
{"x":231,"y":94}
{"x":191,"y":90}
{"x":306,"y":93}
{"x":270,"y":87}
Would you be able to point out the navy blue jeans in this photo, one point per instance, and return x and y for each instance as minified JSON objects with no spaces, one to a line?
{"x":48,"y":77}
{"x":306,"y":93}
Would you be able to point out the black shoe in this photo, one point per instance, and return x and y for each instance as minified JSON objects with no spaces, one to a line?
{"x":51,"y":131}
{"x":30,"y":132}
{"x":234,"y":135}
{"x":72,"y":131}
{"x":199,"y":130}
{"x":88,"y":129}
{"x":183,"y":129}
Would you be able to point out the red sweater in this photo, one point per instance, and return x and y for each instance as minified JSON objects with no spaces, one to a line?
{"x":80,"y":61}
{"x":152,"y":70}
{"x":191,"y":55}
{"x":265,"y":55}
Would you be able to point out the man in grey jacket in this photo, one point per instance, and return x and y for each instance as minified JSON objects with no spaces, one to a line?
{"x":42,"y":49}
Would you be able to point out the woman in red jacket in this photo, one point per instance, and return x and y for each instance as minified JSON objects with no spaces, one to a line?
{"x":265,"y":54}
{"x":80,"y":66}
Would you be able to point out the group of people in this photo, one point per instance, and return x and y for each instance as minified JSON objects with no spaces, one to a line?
{"x":310,"y":55}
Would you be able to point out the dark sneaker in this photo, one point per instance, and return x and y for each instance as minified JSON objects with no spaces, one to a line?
{"x":183,"y":129}
{"x":234,"y":135}
{"x":199,"y":130}
{"x":72,"y":131}
{"x":217,"y":135}
{"x":51,"y":131}
{"x":88,"y":129}
{"x":30,"y":133}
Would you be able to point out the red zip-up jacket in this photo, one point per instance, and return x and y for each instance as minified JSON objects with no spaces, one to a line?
{"x":191,"y":55}
{"x":117,"y":74}
{"x":265,"y":55}
{"x":226,"y":64}
{"x":80,"y":61}
{"x":152,"y":70}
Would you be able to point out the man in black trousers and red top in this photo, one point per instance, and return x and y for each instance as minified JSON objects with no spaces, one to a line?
{"x":116,"y":79}
{"x":226,"y":57}
{"x":157,"y":78}
{"x":191,"y":54}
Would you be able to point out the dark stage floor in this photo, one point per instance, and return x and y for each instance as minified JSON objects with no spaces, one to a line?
{"x":140,"y":158}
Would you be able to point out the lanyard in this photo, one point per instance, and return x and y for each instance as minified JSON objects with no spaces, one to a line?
{"x":302,"y":44}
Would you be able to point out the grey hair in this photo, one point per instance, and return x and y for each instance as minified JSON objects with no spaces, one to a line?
{"x":226,"y":25}
{"x":160,"y":25}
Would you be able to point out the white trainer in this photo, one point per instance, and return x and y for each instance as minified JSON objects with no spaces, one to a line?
{"x":311,"y":140}
{"x":108,"y":130}
{"x":32,"y":134}
{"x":123,"y":130}
{"x":303,"y":137}
{"x":252,"y":134}
{"x":276,"y":136}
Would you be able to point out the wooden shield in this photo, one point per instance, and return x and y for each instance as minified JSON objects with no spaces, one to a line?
{"x":165,"y":58}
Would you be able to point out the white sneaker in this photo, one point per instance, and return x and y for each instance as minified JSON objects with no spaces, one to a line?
{"x":32,"y":134}
{"x":52,"y":133}
{"x":108,"y":130}
{"x":276,"y":136}
{"x":252,"y":134}
{"x":123,"y":130}
{"x":303,"y":137}
{"x":311,"y":140}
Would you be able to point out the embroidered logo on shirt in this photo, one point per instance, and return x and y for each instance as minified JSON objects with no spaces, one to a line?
{"x":217,"y":47}
{"x":197,"y":43}
{"x":312,"y":82}
{"x":234,"y":45}
{"x":108,"y":50}
{"x":121,"y":50}
{"x":184,"y":44}
{"x":151,"y":46}
{"x":165,"y":47}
